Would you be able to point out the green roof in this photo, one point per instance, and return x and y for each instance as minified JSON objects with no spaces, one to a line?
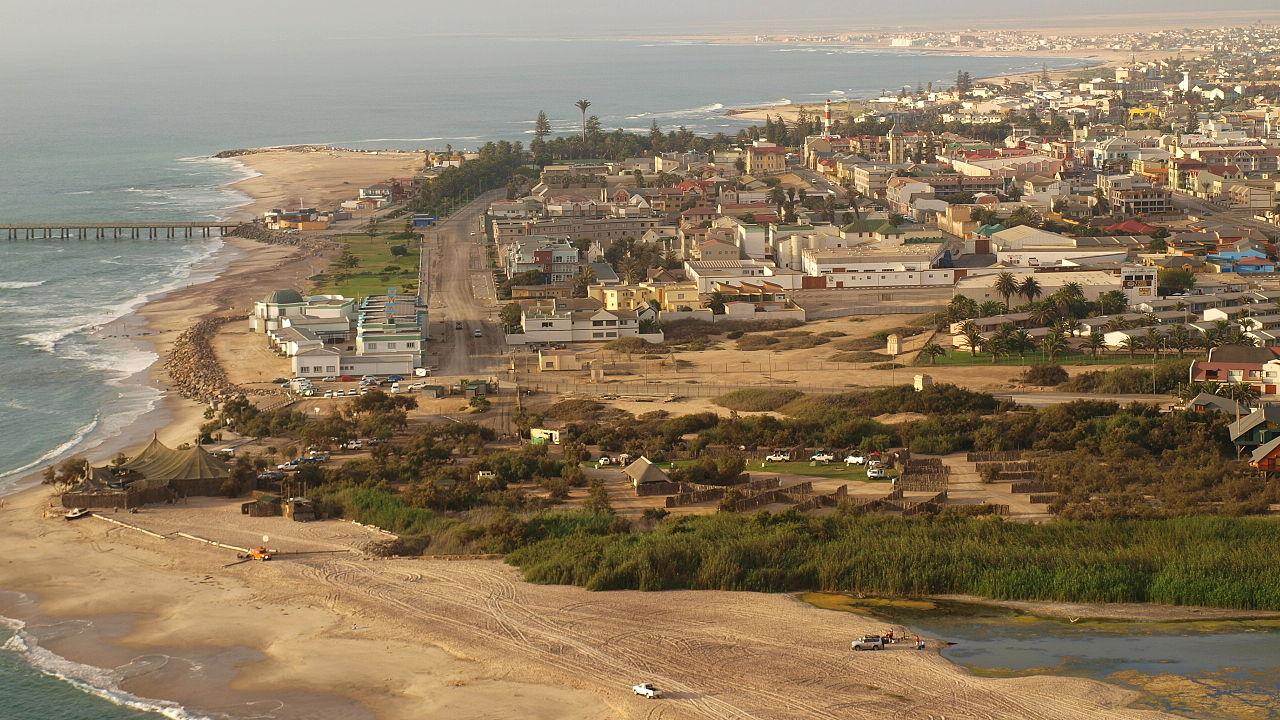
{"x":989,"y":230}
{"x":888,"y":228}
{"x":862,"y":226}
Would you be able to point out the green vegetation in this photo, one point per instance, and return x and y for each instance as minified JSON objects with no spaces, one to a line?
{"x":753,"y":400}
{"x":370,"y":264}
{"x":456,"y":186}
{"x":1215,"y":562}
{"x":1045,"y":375}
{"x":1163,"y":377}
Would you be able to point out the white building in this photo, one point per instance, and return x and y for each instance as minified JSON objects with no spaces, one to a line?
{"x":569,"y":320}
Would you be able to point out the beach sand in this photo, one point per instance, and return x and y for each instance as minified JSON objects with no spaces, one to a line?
{"x":316,"y":177}
{"x":420,"y":638}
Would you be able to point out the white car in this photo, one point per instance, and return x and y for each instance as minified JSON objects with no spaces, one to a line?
{"x":868,"y":642}
{"x":646,"y":690}
{"x":855,"y":460}
{"x":606,"y":460}
{"x":822,"y":456}
{"x":778,"y":457}
{"x":876,"y":473}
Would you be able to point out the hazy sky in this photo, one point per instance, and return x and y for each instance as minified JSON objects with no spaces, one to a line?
{"x":52,"y":27}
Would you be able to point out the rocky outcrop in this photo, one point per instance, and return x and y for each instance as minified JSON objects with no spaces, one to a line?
{"x":193,"y":368}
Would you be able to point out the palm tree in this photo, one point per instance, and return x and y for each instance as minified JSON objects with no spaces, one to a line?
{"x":1030,"y":289}
{"x":1153,"y":341}
{"x":1116,"y":324}
{"x":582,"y":105}
{"x":1054,"y":344}
{"x":716,"y":303}
{"x":1149,"y":319}
{"x":1242,"y":392}
{"x":1179,"y":339}
{"x":631,"y":270}
{"x":1001,"y":341}
{"x":1130,"y":343}
{"x":933,"y":351}
{"x":582,"y":280}
{"x":777,"y":197}
{"x":1006,"y":285}
{"x":1095,"y":341}
{"x":990,"y":308}
{"x":1073,"y":290}
{"x":1022,"y":343}
{"x":1112,"y":302}
{"x":969,"y":331}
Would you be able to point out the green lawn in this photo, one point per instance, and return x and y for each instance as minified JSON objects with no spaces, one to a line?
{"x":964,"y":357}
{"x":371,"y":276}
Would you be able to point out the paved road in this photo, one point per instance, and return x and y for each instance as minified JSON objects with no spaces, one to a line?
{"x":1213,"y":212}
{"x":462,"y":290}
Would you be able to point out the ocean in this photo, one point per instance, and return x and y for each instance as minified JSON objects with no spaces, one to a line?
{"x":127,"y":136}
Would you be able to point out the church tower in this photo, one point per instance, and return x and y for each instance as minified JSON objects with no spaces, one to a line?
{"x":897,"y":153}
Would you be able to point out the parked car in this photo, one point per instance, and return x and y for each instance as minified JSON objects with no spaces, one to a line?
{"x":331,"y":378}
{"x":457,"y":324}
{"x":778,"y":457}
{"x":604,"y":461}
{"x":855,"y":460}
{"x":477,"y":333}
{"x":868,"y":642}
{"x":271,"y":476}
{"x":876,"y":473}
{"x":351,"y":391}
{"x":822,"y":456}
{"x":646,"y":690}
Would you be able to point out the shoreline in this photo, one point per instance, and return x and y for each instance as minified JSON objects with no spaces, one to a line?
{"x":414,"y":638}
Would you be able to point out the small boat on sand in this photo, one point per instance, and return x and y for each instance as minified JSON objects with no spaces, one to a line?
{"x":77,"y":513}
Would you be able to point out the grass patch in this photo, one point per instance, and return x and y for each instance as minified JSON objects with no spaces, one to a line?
{"x":756,"y":342}
{"x":865,"y":343}
{"x":832,"y":471}
{"x":371,"y":273}
{"x":752,"y":400}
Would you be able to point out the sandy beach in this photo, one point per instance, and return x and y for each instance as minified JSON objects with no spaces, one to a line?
{"x":316,"y":177}
{"x":325,"y":631}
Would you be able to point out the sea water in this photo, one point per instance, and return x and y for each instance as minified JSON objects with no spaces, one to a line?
{"x":128,"y":137}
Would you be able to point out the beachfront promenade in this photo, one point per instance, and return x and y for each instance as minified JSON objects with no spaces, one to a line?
{"x":110,"y":229}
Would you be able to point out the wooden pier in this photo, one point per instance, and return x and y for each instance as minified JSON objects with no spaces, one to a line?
{"x":115,"y":230}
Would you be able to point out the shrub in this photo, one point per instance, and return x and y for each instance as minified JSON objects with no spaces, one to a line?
{"x":1045,"y":375}
{"x":866,"y":343}
{"x":756,"y":342}
{"x":753,"y":400}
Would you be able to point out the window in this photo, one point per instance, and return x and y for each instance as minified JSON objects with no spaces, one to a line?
{"x":329,"y":368}
{"x":371,"y":346}
{"x":391,"y":346}
{"x":547,"y":324}
{"x":597,"y":335}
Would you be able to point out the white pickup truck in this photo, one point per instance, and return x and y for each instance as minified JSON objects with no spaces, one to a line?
{"x":778,"y":457}
{"x":646,"y":690}
{"x":822,"y":456}
{"x":855,"y":460}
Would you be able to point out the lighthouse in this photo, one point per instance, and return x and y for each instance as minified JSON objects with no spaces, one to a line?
{"x":826,"y":120}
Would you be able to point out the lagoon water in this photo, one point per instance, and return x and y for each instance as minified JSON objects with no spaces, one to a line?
{"x":128,"y":135}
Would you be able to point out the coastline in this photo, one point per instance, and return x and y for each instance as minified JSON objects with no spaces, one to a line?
{"x":1090,"y":59}
{"x":344,"y":635}
{"x":359,"y":638}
